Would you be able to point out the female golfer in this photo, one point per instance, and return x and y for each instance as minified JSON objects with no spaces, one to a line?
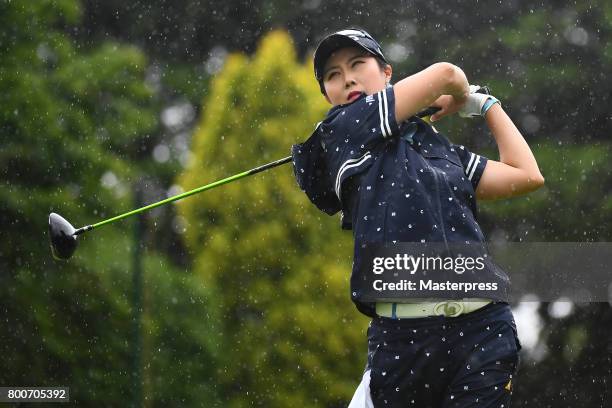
{"x":397,"y":180}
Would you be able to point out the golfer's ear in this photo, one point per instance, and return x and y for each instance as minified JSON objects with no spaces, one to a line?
{"x":388,"y":70}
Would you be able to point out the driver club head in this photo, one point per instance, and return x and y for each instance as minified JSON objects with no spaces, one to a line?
{"x":62,"y":236}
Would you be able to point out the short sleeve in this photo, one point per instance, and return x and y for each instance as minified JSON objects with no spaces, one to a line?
{"x":361,"y":125}
{"x":343,"y":145}
{"x":313,"y":176}
{"x":473,"y":164}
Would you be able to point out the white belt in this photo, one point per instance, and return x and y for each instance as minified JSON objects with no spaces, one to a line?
{"x":448,"y":308}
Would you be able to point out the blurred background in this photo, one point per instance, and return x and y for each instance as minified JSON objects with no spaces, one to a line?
{"x":239,"y":296}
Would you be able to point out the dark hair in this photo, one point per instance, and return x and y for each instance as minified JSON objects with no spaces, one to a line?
{"x":381,"y":64}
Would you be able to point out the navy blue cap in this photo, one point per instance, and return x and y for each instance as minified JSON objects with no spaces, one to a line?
{"x":344,"y":38}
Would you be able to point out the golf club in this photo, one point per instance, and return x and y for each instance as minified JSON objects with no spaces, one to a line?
{"x":63,"y":235}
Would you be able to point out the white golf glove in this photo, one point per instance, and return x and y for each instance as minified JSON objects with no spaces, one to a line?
{"x":478,"y":102}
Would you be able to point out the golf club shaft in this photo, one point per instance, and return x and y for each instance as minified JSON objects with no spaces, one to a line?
{"x":423,"y":114}
{"x":186,"y":194}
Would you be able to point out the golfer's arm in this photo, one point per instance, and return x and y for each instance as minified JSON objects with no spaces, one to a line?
{"x":419,"y":91}
{"x":517,"y":171}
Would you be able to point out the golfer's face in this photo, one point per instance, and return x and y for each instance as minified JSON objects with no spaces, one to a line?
{"x":349,"y":72}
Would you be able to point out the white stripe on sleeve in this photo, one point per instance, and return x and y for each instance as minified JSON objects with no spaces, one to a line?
{"x":347,"y":165}
{"x":386,"y":105}
{"x":380,"y":114}
{"x":469,"y":166}
{"x":474,"y":168}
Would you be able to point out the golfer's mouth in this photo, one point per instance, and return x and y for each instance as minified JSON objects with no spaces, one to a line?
{"x":354,"y":95}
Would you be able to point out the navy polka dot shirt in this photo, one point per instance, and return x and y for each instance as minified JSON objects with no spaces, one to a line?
{"x":392,"y":182}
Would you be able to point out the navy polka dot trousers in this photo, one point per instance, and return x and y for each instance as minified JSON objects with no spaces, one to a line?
{"x":465,"y":361}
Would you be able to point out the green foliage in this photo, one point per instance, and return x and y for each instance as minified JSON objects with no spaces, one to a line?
{"x":181,"y":337}
{"x":291,"y":335}
{"x":569,"y":206}
{"x":186,"y":81}
{"x":570,"y":375}
{"x":72,"y":326}
{"x":71,"y":121}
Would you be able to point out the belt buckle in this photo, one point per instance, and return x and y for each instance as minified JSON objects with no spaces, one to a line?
{"x":450,"y":308}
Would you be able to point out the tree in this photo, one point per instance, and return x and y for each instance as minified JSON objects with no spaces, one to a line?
{"x":72,"y":119}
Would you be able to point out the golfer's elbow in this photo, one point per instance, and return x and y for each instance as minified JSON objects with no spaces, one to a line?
{"x":528,"y":185}
{"x":455,"y":81}
{"x":534,"y":181}
{"x":538,"y":180}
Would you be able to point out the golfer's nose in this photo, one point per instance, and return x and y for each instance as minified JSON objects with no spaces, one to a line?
{"x":349,"y":81}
